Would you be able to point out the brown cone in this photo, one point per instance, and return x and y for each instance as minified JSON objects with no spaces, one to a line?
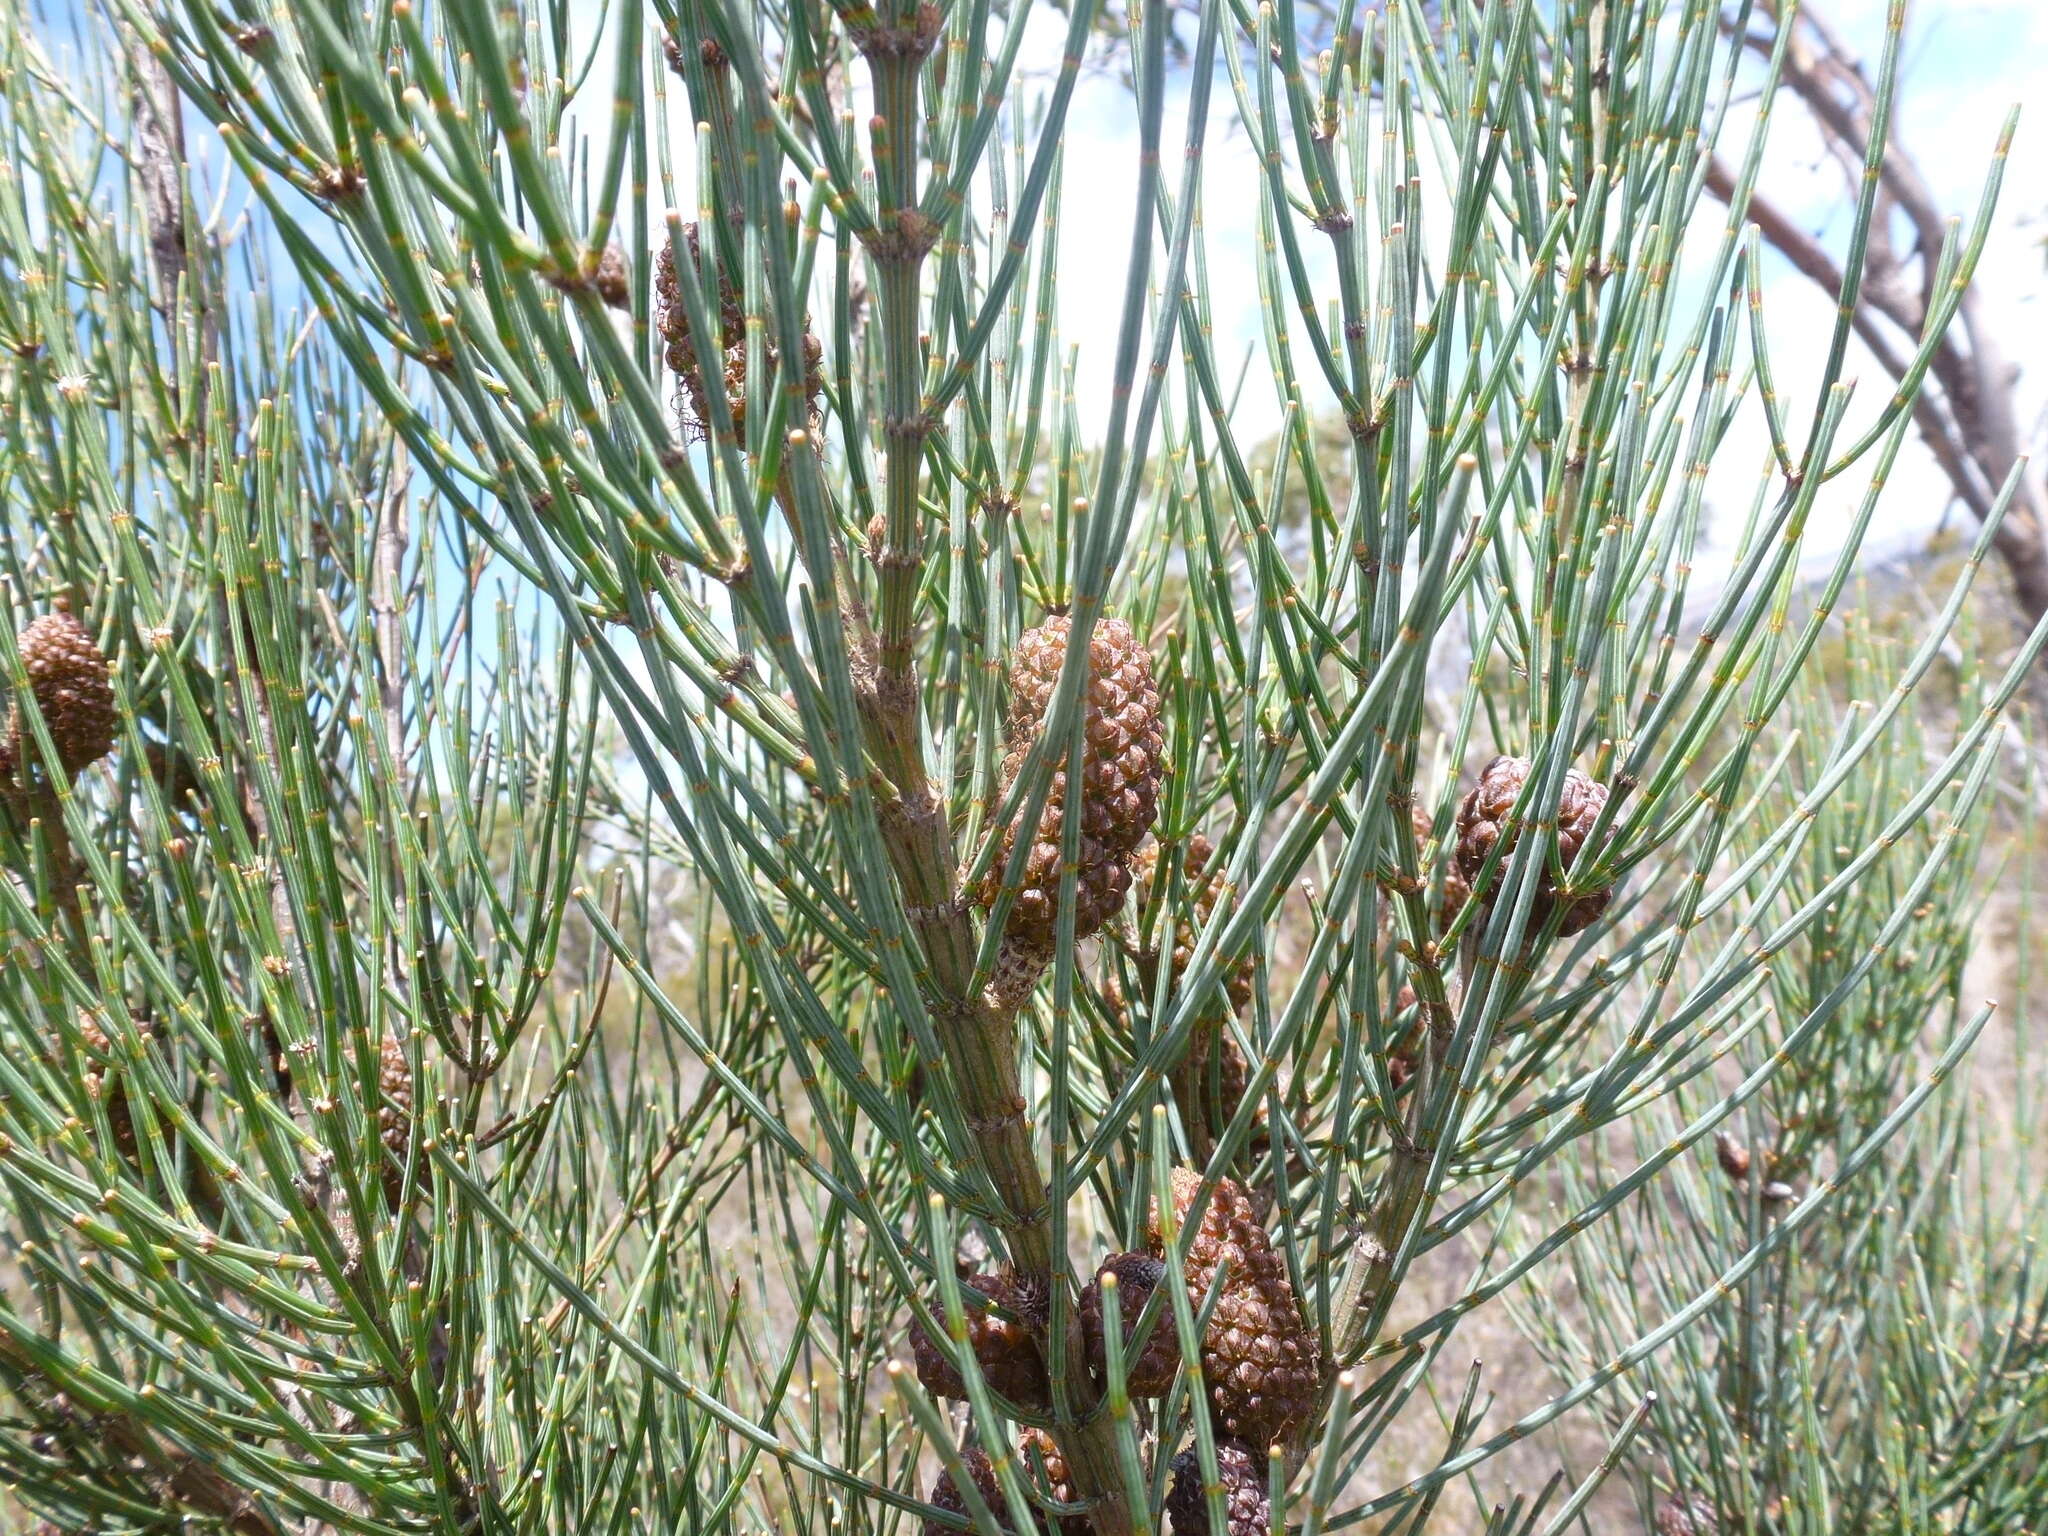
{"x":1241,"y":1470}
{"x":1150,"y":1372}
{"x":1057,"y":1484}
{"x":612,"y":279}
{"x":102,"y":1080}
{"x":1406,"y":1054}
{"x":1259,"y":1360}
{"x":1483,"y":820}
{"x":1732,"y":1155}
{"x":68,"y":676}
{"x":1007,"y":1353}
{"x":684,"y":351}
{"x":394,"y":1119}
{"x":1203,"y":890}
{"x":1456,"y":891}
{"x":1123,"y":758}
{"x":946,"y":1494}
{"x":1686,"y":1514}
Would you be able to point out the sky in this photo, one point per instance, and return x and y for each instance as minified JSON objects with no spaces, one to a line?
{"x":1965,"y":64}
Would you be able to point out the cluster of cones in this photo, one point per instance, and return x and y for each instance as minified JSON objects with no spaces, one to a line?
{"x":69,"y":680}
{"x":1260,"y":1368}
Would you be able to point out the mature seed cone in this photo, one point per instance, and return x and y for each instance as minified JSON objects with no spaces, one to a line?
{"x":1483,"y":817}
{"x":1233,"y":1075}
{"x":1242,"y":1472}
{"x":1100,"y":883}
{"x":1057,"y":1482}
{"x":672,"y":319}
{"x":1123,"y":758}
{"x":1202,"y":893}
{"x":1687,"y":1513}
{"x":612,"y":277}
{"x":1148,"y":1373}
{"x":946,"y":1494}
{"x":394,"y":1120}
{"x":68,"y":676}
{"x":1260,"y":1361}
{"x":1008,"y":1355}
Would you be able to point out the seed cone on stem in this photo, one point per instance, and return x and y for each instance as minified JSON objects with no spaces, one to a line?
{"x":1150,"y":1372}
{"x":394,"y":1119}
{"x":67,"y":675}
{"x":1483,"y":818}
{"x":1242,"y":1472}
{"x":1259,"y":1360}
{"x":1005,"y":1350}
{"x":688,"y":354}
{"x":1686,"y":1514}
{"x":946,"y":1494}
{"x":1456,"y":890}
{"x":613,"y":280}
{"x":1207,"y":890}
{"x":1037,"y":1442}
{"x":1123,"y":759}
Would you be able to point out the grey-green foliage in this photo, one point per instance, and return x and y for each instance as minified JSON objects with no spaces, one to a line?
{"x":624,"y":782}
{"x":1887,"y":1370}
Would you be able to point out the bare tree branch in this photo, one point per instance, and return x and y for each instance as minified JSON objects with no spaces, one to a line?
{"x":1968,"y":415}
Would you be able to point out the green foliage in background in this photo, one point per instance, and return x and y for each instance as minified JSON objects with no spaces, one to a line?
{"x":505,"y":1042}
{"x":1887,"y":1370}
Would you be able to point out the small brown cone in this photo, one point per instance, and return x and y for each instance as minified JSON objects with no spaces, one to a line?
{"x":102,"y":1080}
{"x":1259,"y":1360}
{"x":1242,"y":1472}
{"x":1007,"y":1353}
{"x":1150,"y":1372}
{"x":1057,"y":1484}
{"x":67,"y":674}
{"x":946,"y":1494}
{"x":683,"y":349}
{"x":613,"y":281}
{"x":1733,"y":1157}
{"x":1123,"y":760}
{"x":394,"y":1119}
{"x":1203,"y":890}
{"x":1406,"y":1054}
{"x":685,"y":352}
{"x":1687,"y":1513}
{"x":1483,"y":818}
{"x":1456,"y":891}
